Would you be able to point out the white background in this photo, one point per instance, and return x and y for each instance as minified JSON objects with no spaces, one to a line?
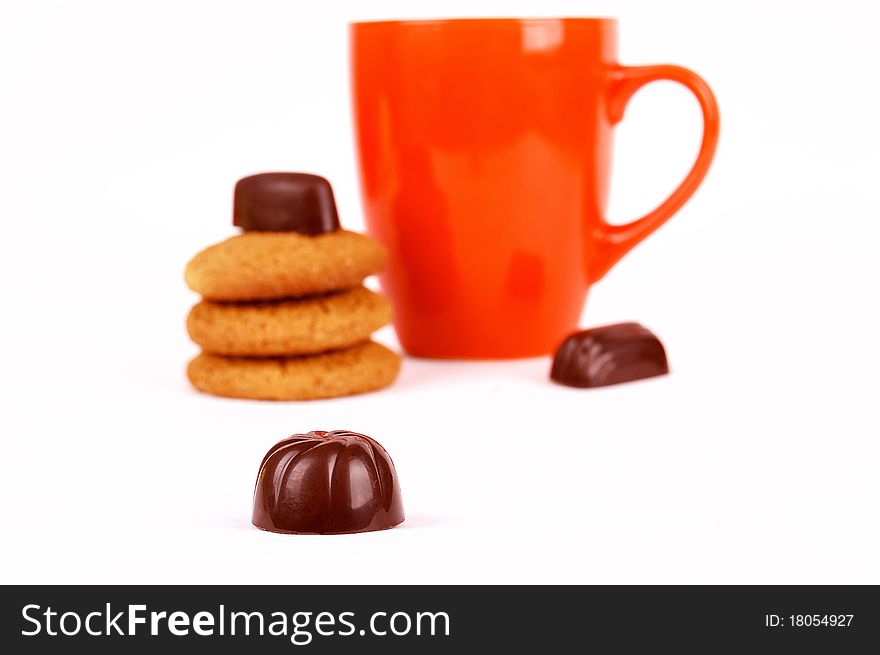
{"x":123,"y":127}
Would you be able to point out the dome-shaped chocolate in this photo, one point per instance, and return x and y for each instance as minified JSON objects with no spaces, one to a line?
{"x":327,"y":483}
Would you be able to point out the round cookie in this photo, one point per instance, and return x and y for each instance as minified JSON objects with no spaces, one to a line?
{"x":270,"y":265}
{"x":288,"y":327}
{"x":365,"y":367}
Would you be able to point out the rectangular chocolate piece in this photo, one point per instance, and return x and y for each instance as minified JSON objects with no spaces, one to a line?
{"x":285,"y":202}
{"x":610,"y":354}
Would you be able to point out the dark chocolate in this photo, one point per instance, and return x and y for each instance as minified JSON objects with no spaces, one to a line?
{"x":609,"y":355}
{"x":327,"y":483}
{"x":285,"y":202}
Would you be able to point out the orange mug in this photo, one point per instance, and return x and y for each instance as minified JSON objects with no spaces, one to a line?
{"x":485,"y":157}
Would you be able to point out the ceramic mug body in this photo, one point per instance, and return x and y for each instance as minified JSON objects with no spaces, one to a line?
{"x":485,"y":156}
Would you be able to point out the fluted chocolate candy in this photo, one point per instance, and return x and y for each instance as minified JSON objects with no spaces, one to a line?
{"x":327,"y":483}
{"x":285,"y":202}
{"x":609,"y":355}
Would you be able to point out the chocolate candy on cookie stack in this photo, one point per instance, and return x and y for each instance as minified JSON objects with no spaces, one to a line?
{"x":284,"y":314}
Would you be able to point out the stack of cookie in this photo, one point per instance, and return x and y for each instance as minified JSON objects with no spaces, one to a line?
{"x":284,"y":315}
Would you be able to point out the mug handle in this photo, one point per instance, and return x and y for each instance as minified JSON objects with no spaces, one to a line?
{"x":614,"y":241}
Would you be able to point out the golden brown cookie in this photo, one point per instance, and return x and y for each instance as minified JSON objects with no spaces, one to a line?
{"x":270,"y":265}
{"x":365,"y":367}
{"x":288,"y":327}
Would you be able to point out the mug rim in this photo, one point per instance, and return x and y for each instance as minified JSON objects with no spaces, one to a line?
{"x":426,"y":22}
